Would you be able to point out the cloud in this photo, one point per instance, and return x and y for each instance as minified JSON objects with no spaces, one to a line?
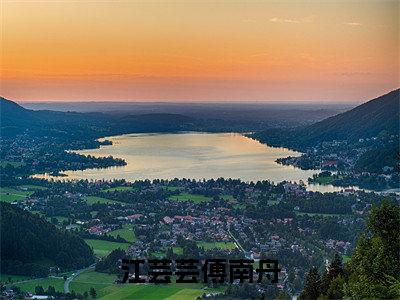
{"x":293,"y":21}
{"x":279,"y":20}
{"x":352,"y":23}
{"x":249,"y":20}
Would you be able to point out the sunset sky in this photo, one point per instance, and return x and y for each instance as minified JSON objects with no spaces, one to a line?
{"x":198,"y":50}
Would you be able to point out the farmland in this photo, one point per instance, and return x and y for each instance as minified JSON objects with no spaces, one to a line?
{"x":103,"y":248}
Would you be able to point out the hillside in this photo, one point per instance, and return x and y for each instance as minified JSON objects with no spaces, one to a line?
{"x":364,"y":121}
{"x":30,"y":245}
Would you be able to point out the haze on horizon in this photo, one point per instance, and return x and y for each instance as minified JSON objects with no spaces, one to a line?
{"x":199,"y":50}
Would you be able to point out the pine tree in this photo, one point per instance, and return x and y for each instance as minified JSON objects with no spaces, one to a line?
{"x":334,"y":270}
{"x":39,"y":290}
{"x":93,"y":293}
{"x":375,"y":264}
{"x":312,"y":289}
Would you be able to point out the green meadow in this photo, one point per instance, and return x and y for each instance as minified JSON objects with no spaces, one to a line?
{"x":106,"y":288}
{"x":171,"y":188}
{"x":227,"y":197}
{"x":14,"y":278}
{"x":29,"y":286}
{"x":196,"y":198}
{"x":119,"y":188}
{"x":84,"y":281}
{"x":103,"y":248}
{"x":11,"y":194}
{"x":31,"y":187}
{"x":95,"y":200}
{"x":219,"y":245}
{"x":125,"y":232}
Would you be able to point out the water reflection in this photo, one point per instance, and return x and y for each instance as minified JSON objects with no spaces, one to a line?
{"x":195,"y":156}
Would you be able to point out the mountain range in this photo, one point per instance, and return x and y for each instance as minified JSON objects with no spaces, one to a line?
{"x":364,"y":121}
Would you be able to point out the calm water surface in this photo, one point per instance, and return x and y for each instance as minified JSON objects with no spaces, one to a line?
{"x":194,"y":156}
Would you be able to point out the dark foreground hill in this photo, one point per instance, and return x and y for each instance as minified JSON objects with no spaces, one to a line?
{"x":364,"y":121}
{"x":30,"y":245}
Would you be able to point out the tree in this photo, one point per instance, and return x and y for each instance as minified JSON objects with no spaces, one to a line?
{"x":93,"y":293}
{"x":282,"y":296}
{"x":374,"y":266}
{"x":85,"y":295}
{"x":335,"y":289}
{"x":312,"y":289}
{"x":39,"y":290}
{"x":51,"y":291}
{"x":334,"y":270}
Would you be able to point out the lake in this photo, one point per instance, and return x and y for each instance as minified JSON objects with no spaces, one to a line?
{"x":194,"y":156}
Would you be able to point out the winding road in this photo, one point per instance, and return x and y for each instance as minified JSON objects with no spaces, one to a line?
{"x":75,"y":274}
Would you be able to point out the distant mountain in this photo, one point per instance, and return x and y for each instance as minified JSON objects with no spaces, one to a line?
{"x":14,"y":117}
{"x":28,"y":242}
{"x":156,"y":122}
{"x":364,"y":121}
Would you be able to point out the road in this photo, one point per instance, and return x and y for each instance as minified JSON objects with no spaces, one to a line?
{"x":236,"y":241}
{"x":72,"y":277}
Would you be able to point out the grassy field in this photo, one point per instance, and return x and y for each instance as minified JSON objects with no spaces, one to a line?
{"x":220,"y":245}
{"x":171,"y":188}
{"x":324,"y":179}
{"x":190,"y":197}
{"x":59,"y":218}
{"x":154,"y":292}
{"x":345,"y":258}
{"x":106,"y":289}
{"x":84,"y":281}
{"x":31,"y":187}
{"x":11,"y":195}
{"x":227,"y":197}
{"x":95,"y":200}
{"x":14,"y":278}
{"x":103,"y":248}
{"x":177,"y":250}
{"x":119,"y":188}
{"x":126,"y":232}
{"x":30,"y":285}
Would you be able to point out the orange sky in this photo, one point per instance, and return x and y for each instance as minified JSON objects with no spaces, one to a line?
{"x":198,"y":50}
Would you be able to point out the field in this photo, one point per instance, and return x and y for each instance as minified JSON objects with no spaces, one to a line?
{"x":119,"y":188}
{"x":103,"y":248}
{"x":177,"y":250}
{"x":31,"y":187}
{"x":126,"y":232}
{"x":227,"y":197}
{"x":171,"y":188}
{"x":12,"y":195}
{"x":345,"y":258}
{"x":220,"y":245}
{"x":95,"y":200}
{"x":190,"y":197}
{"x":324,"y":179}
{"x":30,"y":285}
{"x":84,"y":281}
{"x":14,"y":278}
{"x":106,"y":289}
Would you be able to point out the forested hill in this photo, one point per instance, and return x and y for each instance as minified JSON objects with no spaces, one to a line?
{"x":364,"y":121}
{"x":27,"y":241}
